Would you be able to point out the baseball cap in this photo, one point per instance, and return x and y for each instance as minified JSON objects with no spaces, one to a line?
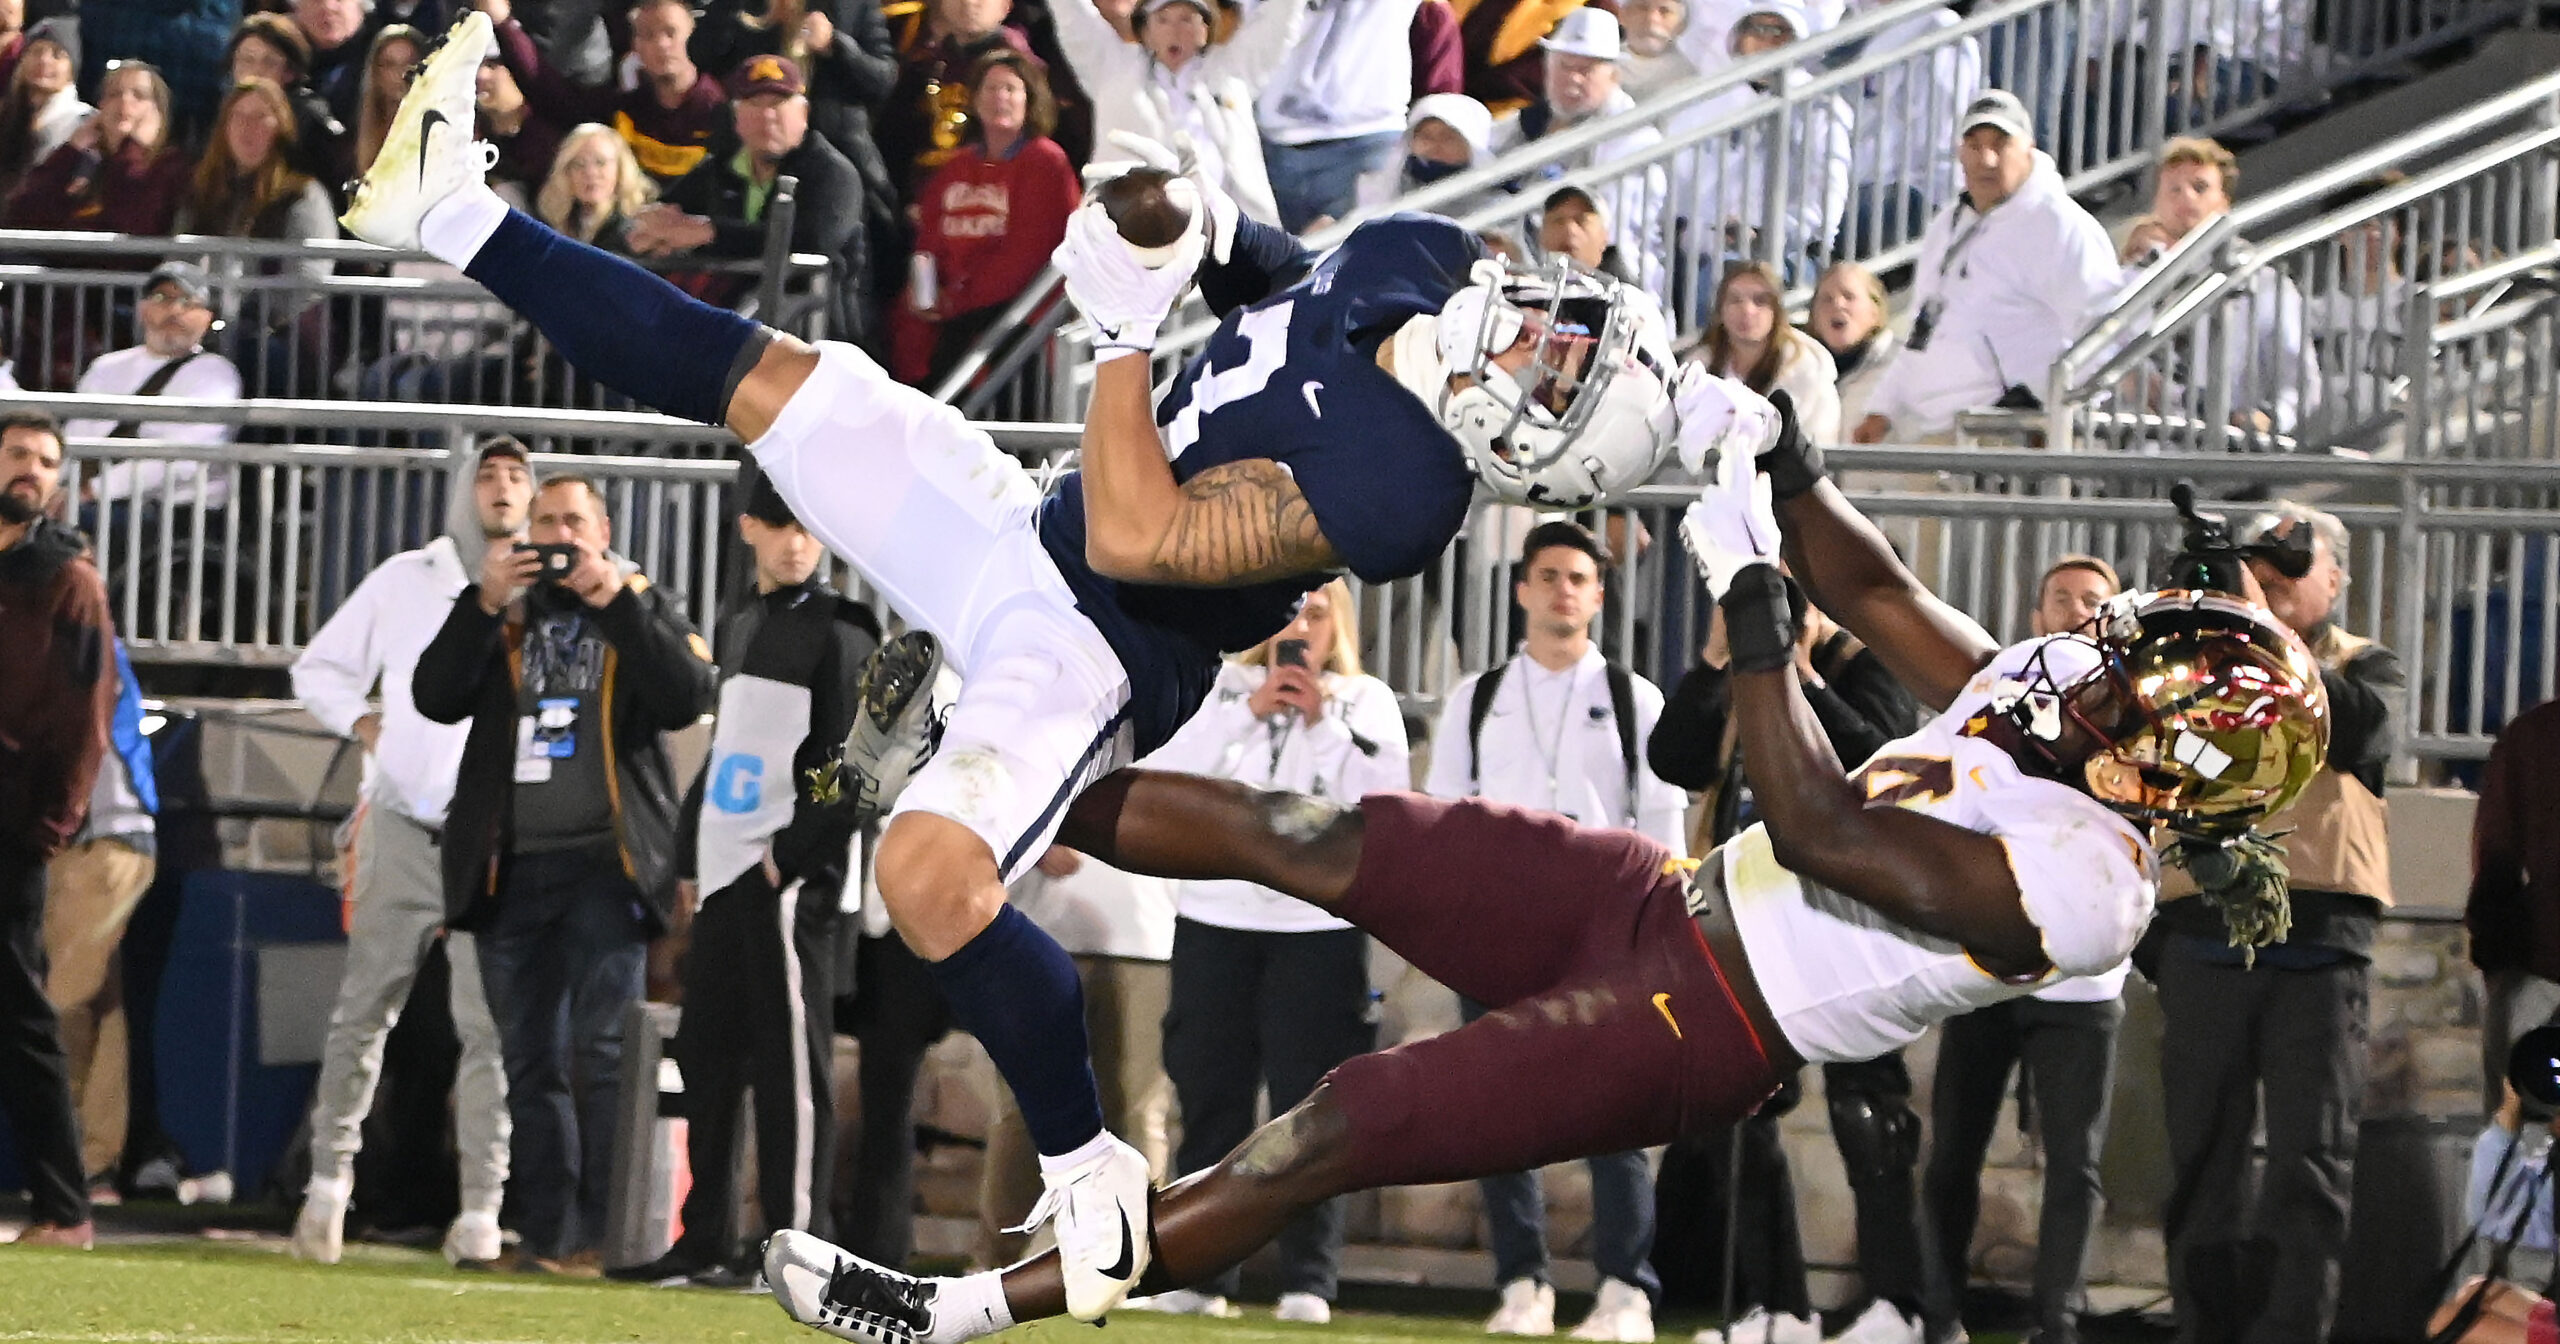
{"x":1586,"y":32}
{"x":2001,"y":108}
{"x":186,"y":277}
{"x":762,"y":76}
{"x":1563,"y":194}
{"x":504,"y":445}
{"x":1472,"y":120}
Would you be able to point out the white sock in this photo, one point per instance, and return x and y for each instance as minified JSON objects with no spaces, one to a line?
{"x":455,"y":229}
{"x":1092,"y":1148}
{"x":971,"y":1307}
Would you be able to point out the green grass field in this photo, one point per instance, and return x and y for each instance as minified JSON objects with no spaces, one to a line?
{"x":215,"y":1292}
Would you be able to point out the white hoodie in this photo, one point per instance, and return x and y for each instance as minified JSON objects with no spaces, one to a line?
{"x":2036,"y":271}
{"x":376,"y":636}
{"x":1350,"y":74}
{"x":1210,"y":99}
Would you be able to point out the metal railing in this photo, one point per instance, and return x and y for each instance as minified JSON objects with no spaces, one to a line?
{"x":331,"y":319}
{"x":1741,"y":164}
{"x":2462,"y":580}
{"x":2284,"y":325}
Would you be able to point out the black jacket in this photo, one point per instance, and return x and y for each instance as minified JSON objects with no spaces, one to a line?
{"x":811,"y":636}
{"x":849,"y":79}
{"x":657,"y":679}
{"x":827,"y":220}
{"x":1861,"y":708}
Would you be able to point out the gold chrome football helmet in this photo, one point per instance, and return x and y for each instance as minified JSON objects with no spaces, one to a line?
{"x":2229,"y":722}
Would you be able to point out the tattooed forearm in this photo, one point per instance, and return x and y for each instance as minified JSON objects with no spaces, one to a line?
{"x":1241,"y":522}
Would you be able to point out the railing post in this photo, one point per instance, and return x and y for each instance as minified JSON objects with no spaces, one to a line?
{"x":780,"y":210}
{"x":1773,"y":200}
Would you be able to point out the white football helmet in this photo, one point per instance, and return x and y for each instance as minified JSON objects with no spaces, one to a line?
{"x":1588,"y":415}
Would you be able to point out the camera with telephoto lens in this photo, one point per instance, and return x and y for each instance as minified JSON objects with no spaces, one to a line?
{"x":2210,"y":558}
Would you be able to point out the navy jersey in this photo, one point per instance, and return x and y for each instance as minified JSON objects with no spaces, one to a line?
{"x":1291,"y":375}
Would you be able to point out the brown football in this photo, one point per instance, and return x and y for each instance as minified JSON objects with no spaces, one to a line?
{"x":1147,"y":214}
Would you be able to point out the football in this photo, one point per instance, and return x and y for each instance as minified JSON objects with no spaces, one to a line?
{"x":1147,"y":214}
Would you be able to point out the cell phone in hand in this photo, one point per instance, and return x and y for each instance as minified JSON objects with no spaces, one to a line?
{"x":557,"y":559}
{"x":1290,"y":653}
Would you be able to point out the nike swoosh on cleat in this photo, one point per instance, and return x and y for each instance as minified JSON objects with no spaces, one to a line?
{"x":1128,"y":1261}
{"x":426,"y":131}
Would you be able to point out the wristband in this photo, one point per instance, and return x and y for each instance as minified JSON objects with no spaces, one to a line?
{"x":1794,"y":463}
{"x":1759,"y":629}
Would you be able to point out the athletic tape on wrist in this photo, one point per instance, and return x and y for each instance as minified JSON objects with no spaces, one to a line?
{"x":1759,"y":630}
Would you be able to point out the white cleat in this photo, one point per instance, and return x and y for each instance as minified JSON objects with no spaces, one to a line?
{"x":1103,"y":1229}
{"x":1760,"y":1326}
{"x":1528,"y":1308}
{"x":428,"y":153}
{"x":900,"y":701}
{"x":1303,"y":1309}
{"x":825,"y":1287}
{"x":1882,"y":1323}
{"x":473,"y":1241}
{"x":1622,"y":1314}
{"x":320,"y":1230}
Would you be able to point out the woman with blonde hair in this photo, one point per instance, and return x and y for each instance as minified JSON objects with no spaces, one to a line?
{"x":1849,"y":311}
{"x":594,"y":187}
{"x":1270,"y":992}
{"x":246,"y":187}
{"x":1748,"y":340}
{"x":117,"y":173}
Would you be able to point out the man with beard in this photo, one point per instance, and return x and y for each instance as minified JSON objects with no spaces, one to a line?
{"x":56,"y":695}
{"x":398,"y":890}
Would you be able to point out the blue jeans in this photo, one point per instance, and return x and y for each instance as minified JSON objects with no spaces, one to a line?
{"x":1621,"y":1215}
{"x":1321,"y":178}
{"x":565,"y":954}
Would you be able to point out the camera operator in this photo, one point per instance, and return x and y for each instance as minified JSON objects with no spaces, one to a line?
{"x":2508,"y":1205}
{"x":559,"y":844}
{"x":2294,"y":1020}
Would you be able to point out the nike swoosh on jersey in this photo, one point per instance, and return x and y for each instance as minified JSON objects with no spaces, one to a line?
{"x":1309,"y":391}
{"x":1662,"y":1005}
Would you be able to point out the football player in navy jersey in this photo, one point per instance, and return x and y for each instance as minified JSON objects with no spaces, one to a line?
{"x":1339,"y":419}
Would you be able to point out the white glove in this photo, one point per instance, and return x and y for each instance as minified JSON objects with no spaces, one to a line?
{"x":1733,"y":525}
{"x":1720,"y":415}
{"x":1124,"y":299}
{"x":1215,"y":206}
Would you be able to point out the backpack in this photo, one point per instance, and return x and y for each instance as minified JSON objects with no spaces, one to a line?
{"x":1622,"y":704}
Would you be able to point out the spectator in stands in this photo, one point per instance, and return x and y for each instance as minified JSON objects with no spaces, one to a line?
{"x":2062,"y":1039}
{"x":671,"y":115}
{"x":340,"y":34}
{"x":1899,"y":164}
{"x":176,"y":313}
{"x":246,"y":187}
{"x":527,"y":144}
{"x":1177,"y":83}
{"x":397,"y":896}
{"x":1572,"y":224}
{"x":2008,"y":276}
{"x":1439,"y":54}
{"x":270,"y":47}
{"x":2356,"y":316}
{"x":2514,"y":908}
{"x":1337,"y":107}
{"x":987,"y":220}
{"x":926,"y":120}
{"x":1270,"y":993}
{"x":1849,"y":311}
{"x":13,"y":36}
{"x":595,"y":188}
{"x":1748,"y":340}
{"x":758,"y":959}
{"x":560,"y":839}
{"x":117,"y":173}
{"x":42,"y":107}
{"x":57,"y":699}
{"x":2274,"y":374}
{"x":717,"y":210}
{"x":1584,"y":765}
{"x":1729,"y":206}
{"x":91,"y":890}
{"x":1445,"y":135}
{"x":1654,"y":61}
{"x":2257,"y":1254}
{"x":1861,"y":707}
{"x":397,"y":49}
{"x":184,"y":38}
{"x":1582,"y":85}
{"x":1503,"y":42}
{"x":844,"y":48}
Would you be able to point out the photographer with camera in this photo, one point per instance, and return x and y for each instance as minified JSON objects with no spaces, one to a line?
{"x":2291,"y":1019}
{"x":558,"y":848}
{"x":1560,"y":727}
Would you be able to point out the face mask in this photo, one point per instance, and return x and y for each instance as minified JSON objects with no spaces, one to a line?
{"x":1424,"y":171}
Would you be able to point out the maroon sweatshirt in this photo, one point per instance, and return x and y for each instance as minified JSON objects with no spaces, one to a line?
{"x":2514,"y":913}
{"x":668,"y":140}
{"x":128,"y":191}
{"x":56,"y":694}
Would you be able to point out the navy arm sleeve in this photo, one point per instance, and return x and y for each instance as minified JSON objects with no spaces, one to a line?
{"x":1266,"y":259}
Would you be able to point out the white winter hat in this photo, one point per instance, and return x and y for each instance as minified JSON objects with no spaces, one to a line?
{"x":1472,"y":120}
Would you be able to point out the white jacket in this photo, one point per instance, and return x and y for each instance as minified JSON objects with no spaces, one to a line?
{"x":376,"y":637}
{"x":208,"y":377}
{"x":1349,"y":74}
{"x":1905,"y":109}
{"x":1634,"y":200}
{"x":1100,"y":911}
{"x":2266,"y":354}
{"x":1356,"y":749}
{"x":1571,"y":766}
{"x":1211,"y":99}
{"x":1807,"y":374}
{"x":1730,"y":199}
{"x":2037,"y":269}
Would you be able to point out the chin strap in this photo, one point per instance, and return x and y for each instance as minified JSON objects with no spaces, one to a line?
{"x":2247,"y":879}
